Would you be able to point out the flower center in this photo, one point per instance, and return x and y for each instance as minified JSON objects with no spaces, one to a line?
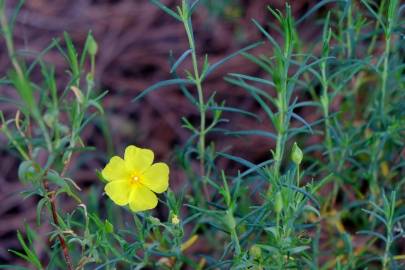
{"x":135,"y":179}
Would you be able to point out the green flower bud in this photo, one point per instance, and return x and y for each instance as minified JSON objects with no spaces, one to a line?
{"x":278,"y":204}
{"x":229,"y":220}
{"x":26,"y":171}
{"x":296,"y":155}
{"x":93,"y":47}
{"x":255,"y":252}
{"x":154,"y":220}
{"x":109,"y":228}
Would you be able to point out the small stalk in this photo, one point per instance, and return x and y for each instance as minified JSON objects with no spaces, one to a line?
{"x":388,"y":28}
{"x":325,"y":102}
{"x":231,"y":224}
{"x":283,"y":58}
{"x":386,"y":259}
{"x":65,"y":249}
{"x":391,"y":15}
{"x":201,"y":103}
{"x":377,"y":24}
{"x":349,"y":29}
{"x":389,"y":207}
{"x":280,"y":134}
{"x":22,"y":77}
{"x":384,"y":76}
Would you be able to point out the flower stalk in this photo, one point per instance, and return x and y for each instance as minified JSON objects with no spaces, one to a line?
{"x":184,"y":13}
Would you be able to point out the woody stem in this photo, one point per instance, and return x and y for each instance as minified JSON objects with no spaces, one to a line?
{"x":65,"y":250}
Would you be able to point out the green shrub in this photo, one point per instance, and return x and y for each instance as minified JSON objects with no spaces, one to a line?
{"x":288,"y":212}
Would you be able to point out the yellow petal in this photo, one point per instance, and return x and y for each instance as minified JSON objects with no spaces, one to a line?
{"x":142,"y":198}
{"x":156,"y":177}
{"x":119,"y":191}
{"x":138,"y":159}
{"x":115,"y":170}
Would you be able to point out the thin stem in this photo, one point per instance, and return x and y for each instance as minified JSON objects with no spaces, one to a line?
{"x":389,"y":216}
{"x":235,"y":239}
{"x":349,"y":29}
{"x":337,"y":185}
{"x":93,"y":65}
{"x":328,"y":139}
{"x":391,"y":18}
{"x":385,"y":71}
{"x":201,"y":103}
{"x":65,"y":250}
{"x":386,"y":259}
{"x":20,"y":73}
{"x":377,"y":24}
{"x":325,"y":106}
{"x":283,"y":127}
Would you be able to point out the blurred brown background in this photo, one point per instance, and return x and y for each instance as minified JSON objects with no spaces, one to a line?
{"x":135,"y":39}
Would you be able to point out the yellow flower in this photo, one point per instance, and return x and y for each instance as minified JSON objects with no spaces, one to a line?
{"x":134,"y":180}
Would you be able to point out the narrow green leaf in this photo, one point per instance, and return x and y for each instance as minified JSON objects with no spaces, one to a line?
{"x":260,"y":133}
{"x":40,"y":205}
{"x":160,"y":85}
{"x":296,"y":250}
{"x":302,"y":120}
{"x":316,"y":7}
{"x":252,"y":78}
{"x":166,"y":9}
{"x":229,"y":57}
{"x":372,"y":233}
{"x":267,"y":35}
{"x":376,"y":16}
{"x":235,"y":110}
{"x":180,"y":60}
{"x":72,"y":55}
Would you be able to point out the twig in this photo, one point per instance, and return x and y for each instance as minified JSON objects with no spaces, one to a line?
{"x":65,"y":249}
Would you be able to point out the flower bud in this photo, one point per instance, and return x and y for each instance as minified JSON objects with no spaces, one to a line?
{"x":154,"y":220}
{"x":255,"y":252}
{"x":109,"y":228}
{"x":229,"y":220}
{"x":93,"y":47}
{"x":296,"y":155}
{"x":278,"y":204}
{"x":175,"y":220}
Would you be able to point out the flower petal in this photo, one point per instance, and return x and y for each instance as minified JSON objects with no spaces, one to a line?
{"x":115,"y":170}
{"x":138,"y":159}
{"x":142,"y":199}
{"x":119,"y":191}
{"x":156,"y":177}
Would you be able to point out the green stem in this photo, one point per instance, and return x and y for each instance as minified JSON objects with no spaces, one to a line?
{"x":21,"y":76}
{"x":201,"y":103}
{"x":389,"y":216}
{"x":325,"y":106}
{"x":235,"y":239}
{"x":349,"y":28}
{"x":385,"y":71}
{"x":377,"y":24}
{"x":283,"y":126}
{"x":386,"y":259}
